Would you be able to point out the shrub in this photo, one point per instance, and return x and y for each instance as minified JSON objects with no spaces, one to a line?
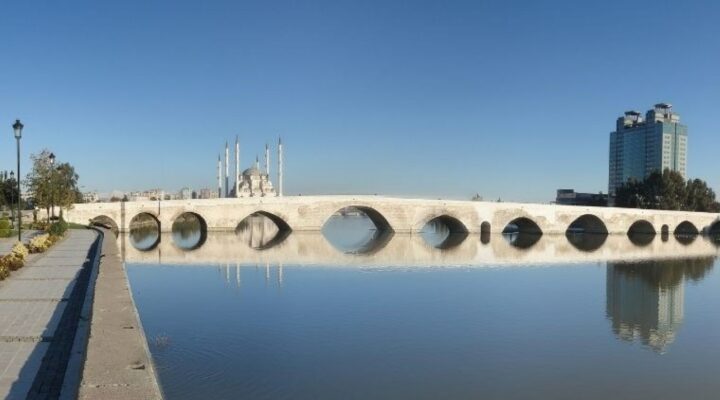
{"x":40,"y":243}
{"x":4,"y":271}
{"x":40,"y":225}
{"x":19,"y":250}
{"x":15,"y":263}
{"x":58,"y":228}
{"x":5,"y":228}
{"x":10,"y":262}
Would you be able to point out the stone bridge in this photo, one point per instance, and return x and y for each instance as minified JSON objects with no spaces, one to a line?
{"x":400,"y":215}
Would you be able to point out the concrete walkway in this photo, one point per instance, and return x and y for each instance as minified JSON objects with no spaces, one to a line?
{"x":39,"y":313}
{"x":118,"y":363}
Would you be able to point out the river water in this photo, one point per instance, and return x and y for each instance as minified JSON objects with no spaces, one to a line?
{"x":352,"y":313}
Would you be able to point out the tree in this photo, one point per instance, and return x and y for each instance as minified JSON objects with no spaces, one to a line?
{"x":64,"y":188}
{"x":667,"y":191}
{"x":51,"y":185}
{"x":700,"y":197}
{"x":8,"y":192}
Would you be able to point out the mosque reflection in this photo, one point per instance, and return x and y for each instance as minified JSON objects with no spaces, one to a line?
{"x":260,"y":232}
{"x":645,"y":300}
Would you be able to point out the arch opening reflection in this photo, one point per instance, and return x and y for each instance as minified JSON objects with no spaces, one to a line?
{"x":189,"y":231}
{"x":357,"y":230}
{"x":261,"y":230}
{"x":522,"y":233}
{"x":444,"y":232}
{"x":144,"y":231}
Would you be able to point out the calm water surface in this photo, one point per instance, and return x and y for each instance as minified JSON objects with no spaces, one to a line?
{"x":352,"y":314}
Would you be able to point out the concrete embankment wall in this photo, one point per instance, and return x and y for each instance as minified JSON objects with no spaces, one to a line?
{"x":118,"y":363}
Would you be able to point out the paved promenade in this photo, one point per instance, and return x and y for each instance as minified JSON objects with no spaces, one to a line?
{"x":39,"y":312}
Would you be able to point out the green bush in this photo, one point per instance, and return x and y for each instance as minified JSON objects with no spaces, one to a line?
{"x":5,"y":228}
{"x":39,"y":225}
{"x":58,"y":228}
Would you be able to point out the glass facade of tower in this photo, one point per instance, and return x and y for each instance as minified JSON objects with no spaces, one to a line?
{"x":639,"y":147}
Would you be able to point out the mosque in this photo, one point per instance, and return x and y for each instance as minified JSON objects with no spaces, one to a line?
{"x":253,"y":181}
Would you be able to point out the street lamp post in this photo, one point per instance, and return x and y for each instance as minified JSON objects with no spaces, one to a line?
{"x":52,"y":184}
{"x":12,"y":198}
{"x":17,"y":128}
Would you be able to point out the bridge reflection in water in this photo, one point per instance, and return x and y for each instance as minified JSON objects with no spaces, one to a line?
{"x":353,"y":240}
{"x":646,"y":273}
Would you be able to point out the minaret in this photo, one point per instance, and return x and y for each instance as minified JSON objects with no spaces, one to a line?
{"x":237,"y":166}
{"x":267,"y":160}
{"x":219,"y":176}
{"x":280,"y":168}
{"x":257,"y":162}
{"x":227,"y":170}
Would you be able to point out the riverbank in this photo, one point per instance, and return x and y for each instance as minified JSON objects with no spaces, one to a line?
{"x":118,"y":364}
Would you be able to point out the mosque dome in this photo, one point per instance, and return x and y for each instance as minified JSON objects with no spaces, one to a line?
{"x":252,"y":171}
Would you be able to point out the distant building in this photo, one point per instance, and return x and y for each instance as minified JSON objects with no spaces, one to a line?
{"x":184,"y":194}
{"x":90,"y":197}
{"x":206,"y":193}
{"x":640,"y":147}
{"x":570,"y":197}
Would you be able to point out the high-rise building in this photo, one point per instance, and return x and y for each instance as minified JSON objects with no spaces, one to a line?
{"x":640,"y":147}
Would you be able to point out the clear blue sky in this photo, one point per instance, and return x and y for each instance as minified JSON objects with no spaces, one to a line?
{"x":510,"y":99}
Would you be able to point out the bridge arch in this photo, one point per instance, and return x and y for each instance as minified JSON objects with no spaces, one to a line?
{"x":642,"y":227}
{"x":106,"y":222}
{"x":189,"y":230}
{"x":279,"y":221}
{"x":357,"y":229}
{"x":455,"y":231}
{"x":714,"y":228}
{"x":453,"y":224}
{"x":255,"y":231}
{"x":381,"y":223}
{"x":587,"y":223}
{"x":144,"y":228}
{"x":686,"y":228}
{"x":523,"y":225}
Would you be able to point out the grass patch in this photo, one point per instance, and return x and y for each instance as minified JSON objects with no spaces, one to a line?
{"x":72,"y":225}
